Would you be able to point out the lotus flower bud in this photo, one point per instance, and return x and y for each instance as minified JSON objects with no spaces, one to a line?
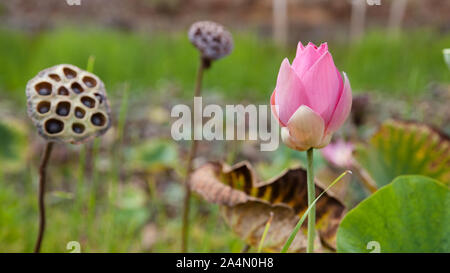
{"x":68,"y":104}
{"x":211,"y":39}
{"x":311,"y":99}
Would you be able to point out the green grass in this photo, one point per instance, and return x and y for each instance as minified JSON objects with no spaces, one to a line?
{"x":144,"y":61}
{"x":103,"y":210}
{"x":115,"y":226}
{"x":403,"y":65}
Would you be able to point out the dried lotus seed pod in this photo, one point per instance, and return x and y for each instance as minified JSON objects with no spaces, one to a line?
{"x":211,"y":39}
{"x":68,"y":104}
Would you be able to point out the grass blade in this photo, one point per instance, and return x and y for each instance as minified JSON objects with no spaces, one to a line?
{"x":302,"y":219}
{"x":266,"y":230}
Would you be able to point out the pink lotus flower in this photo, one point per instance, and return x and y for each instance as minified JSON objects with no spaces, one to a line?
{"x":310,"y":100}
{"x":339,"y":153}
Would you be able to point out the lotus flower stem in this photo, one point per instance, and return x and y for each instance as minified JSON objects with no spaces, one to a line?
{"x":302,"y":219}
{"x":42,"y":178}
{"x":311,"y":197}
{"x":204,"y":64}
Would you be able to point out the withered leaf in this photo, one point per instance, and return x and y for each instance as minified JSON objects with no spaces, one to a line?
{"x":247,"y":203}
{"x":406,"y":147}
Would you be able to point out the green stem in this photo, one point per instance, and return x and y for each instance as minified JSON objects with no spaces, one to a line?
{"x":311,"y":197}
{"x":302,"y":219}
{"x":90,"y":64}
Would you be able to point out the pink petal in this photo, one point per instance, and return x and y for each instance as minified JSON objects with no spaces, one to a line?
{"x":289,"y":92}
{"x":275,"y":108}
{"x":323,"y":48}
{"x":306,"y":127}
{"x":305,"y":59}
{"x":300,"y":48}
{"x":311,"y":44}
{"x":342,"y":108}
{"x":323,"y":85}
{"x":325,"y":141}
{"x":290,"y":142}
{"x":339,"y":153}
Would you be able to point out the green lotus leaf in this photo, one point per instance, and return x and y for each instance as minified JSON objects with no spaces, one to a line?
{"x":409,"y":215}
{"x":402,"y":148}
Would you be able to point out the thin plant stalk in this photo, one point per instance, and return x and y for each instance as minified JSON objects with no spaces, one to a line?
{"x":192,"y":153}
{"x":95,"y":151}
{"x":246,"y":248}
{"x":311,"y":196}
{"x":81,"y":168}
{"x":302,"y":219}
{"x":266,"y":230}
{"x":83,"y":152}
{"x":88,"y":154}
{"x":90,"y":64}
{"x":41,"y":199}
{"x":123,"y":111}
{"x":117,"y":156}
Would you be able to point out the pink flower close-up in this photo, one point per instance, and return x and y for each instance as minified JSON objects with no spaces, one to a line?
{"x":339,"y":153}
{"x":311,"y":99}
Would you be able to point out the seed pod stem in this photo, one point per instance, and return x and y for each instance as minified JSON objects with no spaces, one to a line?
{"x":213,"y":42}
{"x":42,"y":180}
{"x":192,"y":153}
{"x":206,"y":63}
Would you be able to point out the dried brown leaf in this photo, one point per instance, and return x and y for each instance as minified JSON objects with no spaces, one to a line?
{"x":247,"y":203}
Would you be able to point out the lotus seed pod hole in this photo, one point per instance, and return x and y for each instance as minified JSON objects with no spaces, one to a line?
{"x":98,"y":119}
{"x":78,"y":128}
{"x":43,"y":107}
{"x":55,"y":77}
{"x":70,"y":74}
{"x":63,"y":108}
{"x":88,"y":102}
{"x":79,"y":112}
{"x":89,"y":81}
{"x":76,"y":88}
{"x":54,"y":126}
{"x":44,"y":88}
{"x":63,"y":91}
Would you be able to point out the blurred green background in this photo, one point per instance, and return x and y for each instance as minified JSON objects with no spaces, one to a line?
{"x":401,"y":65}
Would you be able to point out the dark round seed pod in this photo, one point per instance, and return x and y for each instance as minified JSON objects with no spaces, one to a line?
{"x":360,"y":109}
{"x":211,"y":39}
